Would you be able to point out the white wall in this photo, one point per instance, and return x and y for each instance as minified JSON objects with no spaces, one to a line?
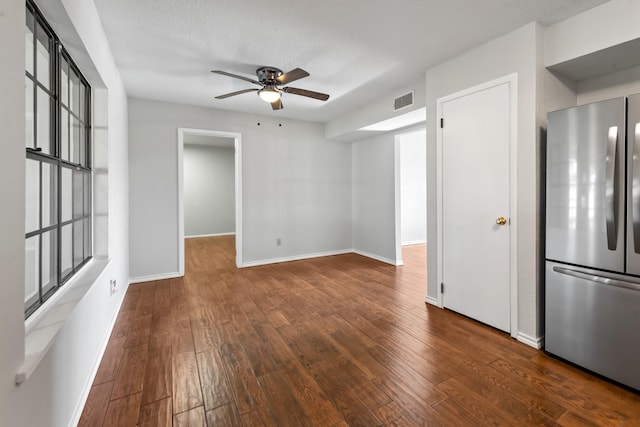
{"x":600,"y":64}
{"x":413,"y":186}
{"x":296,"y":185}
{"x":622,"y":83}
{"x":607,"y":25}
{"x":12,"y":123}
{"x":345,"y":127}
{"x":209,"y":189}
{"x":375,"y":190}
{"x":374,"y":195}
{"x":55,"y":393}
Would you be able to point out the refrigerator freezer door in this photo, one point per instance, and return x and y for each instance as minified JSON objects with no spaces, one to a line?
{"x":593,"y":321}
{"x":633,"y":185}
{"x":586,"y":186}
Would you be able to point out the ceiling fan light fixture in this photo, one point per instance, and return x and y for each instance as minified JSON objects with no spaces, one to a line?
{"x":270,"y":80}
{"x":269,"y":94}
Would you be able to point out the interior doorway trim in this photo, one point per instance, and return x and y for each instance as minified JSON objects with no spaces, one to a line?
{"x":512,"y":81}
{"x":237,"y":137}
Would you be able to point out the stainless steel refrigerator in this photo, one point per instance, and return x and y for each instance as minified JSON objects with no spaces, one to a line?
{"x":592,"y":283}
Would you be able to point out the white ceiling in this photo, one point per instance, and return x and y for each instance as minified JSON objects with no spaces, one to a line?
{"x":355,"y":50}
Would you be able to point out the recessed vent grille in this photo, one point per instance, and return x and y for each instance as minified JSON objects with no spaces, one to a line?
{"x":403,"y":101}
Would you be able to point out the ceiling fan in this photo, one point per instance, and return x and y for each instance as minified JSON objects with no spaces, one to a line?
{"x":270,"y":80}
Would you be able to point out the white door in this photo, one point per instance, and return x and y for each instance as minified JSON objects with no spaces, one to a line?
{"x":475,"y":205}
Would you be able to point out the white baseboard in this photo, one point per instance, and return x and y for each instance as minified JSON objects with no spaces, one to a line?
{"x":197,"y":236}
{"x":294,"y":258}
{"x":156,"y":277}
{"x":413,"y":242}
{"x":536,"y":343}
{"x":433,"y":301}
{"x":84,"y":395}
{"x":378,"y":257}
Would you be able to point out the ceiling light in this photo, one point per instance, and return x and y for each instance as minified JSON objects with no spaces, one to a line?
{"x":269,"y":94}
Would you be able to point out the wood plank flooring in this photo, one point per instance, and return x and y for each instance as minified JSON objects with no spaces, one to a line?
{"x":335,"y":341}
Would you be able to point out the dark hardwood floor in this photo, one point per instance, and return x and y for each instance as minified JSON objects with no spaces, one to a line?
{"x":335,"y":341}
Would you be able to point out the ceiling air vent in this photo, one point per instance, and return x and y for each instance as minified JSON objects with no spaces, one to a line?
{"x":403,"y":101}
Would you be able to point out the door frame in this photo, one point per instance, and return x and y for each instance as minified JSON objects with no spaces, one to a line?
{"x":237,"y":137}
{"x":512,"y":81}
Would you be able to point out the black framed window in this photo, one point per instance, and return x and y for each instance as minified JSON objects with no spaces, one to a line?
{"x":58,"y":208}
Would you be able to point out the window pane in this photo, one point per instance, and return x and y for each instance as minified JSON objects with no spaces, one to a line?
{"x":43,"y":135}
{"x":32,"y":196}
{"x":81,"y":103}
{"x":49,"y":261}
{"x":66,"y":198}
{"x":64,"y":82}
{"x":75,"y":140}
{"x":73,"y":91}
{"x":78,"y":243}
{"x":87,"y":238}
{"x":72,"y":138}
{"x":66,"y":254}
{"x":28,"y":43}
{"x":49,"y":180}
{"x":87,"y":192}
{"x":64,"y":134}
{"x":87,"y":146}
{"x":82,"y":156}
{"x":28,"y":109}
{"x":77,"y":194}
{"x":43,"y":47}
{"x":31,"y":270}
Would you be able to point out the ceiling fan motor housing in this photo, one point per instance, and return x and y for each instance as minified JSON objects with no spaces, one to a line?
{"x":268,"y":74}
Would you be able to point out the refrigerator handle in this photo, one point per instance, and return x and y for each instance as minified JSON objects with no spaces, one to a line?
{"x":611,"y":188}
{"x":600,"y":278}
{"x":635,"y":188}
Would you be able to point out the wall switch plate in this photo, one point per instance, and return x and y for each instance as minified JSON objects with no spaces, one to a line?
{"x":278,"y":241}
{"x":112,"y":286}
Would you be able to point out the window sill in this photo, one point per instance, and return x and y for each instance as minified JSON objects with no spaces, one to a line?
{"x":42,"y":327}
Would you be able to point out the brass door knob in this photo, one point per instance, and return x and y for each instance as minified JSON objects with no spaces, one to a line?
{"x":501,"y":220}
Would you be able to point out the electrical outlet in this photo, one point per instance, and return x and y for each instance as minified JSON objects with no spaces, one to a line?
{"x":278,"y":241}
{"x":112,"y":286}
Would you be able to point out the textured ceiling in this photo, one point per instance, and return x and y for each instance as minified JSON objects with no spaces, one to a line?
{"x":355,"y":50}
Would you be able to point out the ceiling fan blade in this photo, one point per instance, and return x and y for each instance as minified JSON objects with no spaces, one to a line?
{"x":293,"y":75}
{"x":240,"y":92}
{"x":307,"y":93}
{"x":235,"y":76}
{"x":277,"y":105}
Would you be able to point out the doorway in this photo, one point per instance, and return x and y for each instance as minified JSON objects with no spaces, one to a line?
{"x":411,"y":197}
{"x":413,"y":187}
{"x":476,"y":203}
{"x":209,"y":139}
